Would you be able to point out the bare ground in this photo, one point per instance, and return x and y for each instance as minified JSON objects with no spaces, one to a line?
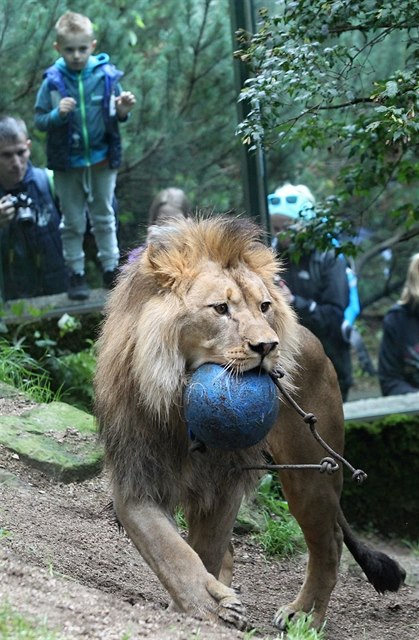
{"x":64,"y":562}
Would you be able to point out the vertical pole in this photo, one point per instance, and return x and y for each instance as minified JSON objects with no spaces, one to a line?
{"x":252,"y":162}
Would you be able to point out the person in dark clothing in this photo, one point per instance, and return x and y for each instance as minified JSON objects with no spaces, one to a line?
{"x":32,"y":261}
{"x":398,"y":359}
{"x":317,"y":284}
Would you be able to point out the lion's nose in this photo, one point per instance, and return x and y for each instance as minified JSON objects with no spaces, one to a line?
{"x":263,"y":348}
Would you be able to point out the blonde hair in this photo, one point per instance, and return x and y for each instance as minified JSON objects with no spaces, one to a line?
{"x":71,"y":23}
{"x":169,"y":203}
{"x":410,"y":293}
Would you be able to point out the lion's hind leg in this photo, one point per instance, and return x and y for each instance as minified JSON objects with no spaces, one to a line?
{"x":324,"y":539}
{"x":179,"y":568}
{"x":313,"y":499}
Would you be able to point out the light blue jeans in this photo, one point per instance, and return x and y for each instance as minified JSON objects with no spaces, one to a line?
{"x":86,"y":192}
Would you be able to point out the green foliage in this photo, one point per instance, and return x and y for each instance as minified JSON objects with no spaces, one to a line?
{"x":22,"y":371}
{"x":336,"y":83}
{"x":14,"y":626}
{"x":75,"y":372}
{"x":281,"y":536}
{"x":52,"y":360}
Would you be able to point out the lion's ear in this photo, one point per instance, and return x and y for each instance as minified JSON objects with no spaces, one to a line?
{"x":164,"y":261}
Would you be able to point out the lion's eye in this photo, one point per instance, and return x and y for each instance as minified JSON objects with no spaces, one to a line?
{"x":265,"y":306}
{"x":221,"y":309}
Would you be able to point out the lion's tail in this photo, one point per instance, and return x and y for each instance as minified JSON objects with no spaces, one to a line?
{"x":384,"y":573}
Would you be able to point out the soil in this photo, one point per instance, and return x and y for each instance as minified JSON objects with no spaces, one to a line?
{"x":64,"y":563}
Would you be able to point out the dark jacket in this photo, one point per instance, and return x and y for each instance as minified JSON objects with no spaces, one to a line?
{"x":320,"y":287}
{"x":31,"y":254}
{"x":90,"y":134}
{"x":398,"y":360}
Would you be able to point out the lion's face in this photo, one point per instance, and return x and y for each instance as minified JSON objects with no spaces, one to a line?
{"x":230,"y":320}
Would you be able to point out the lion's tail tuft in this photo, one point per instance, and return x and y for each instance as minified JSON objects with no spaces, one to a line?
{"x":384,"y":573}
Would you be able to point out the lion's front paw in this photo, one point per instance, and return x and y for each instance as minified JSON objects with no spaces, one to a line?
{"x":233,"y":612}
{"x":229,"y":608}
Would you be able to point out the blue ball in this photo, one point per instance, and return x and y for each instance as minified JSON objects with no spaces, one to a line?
{"x":226,"y":410}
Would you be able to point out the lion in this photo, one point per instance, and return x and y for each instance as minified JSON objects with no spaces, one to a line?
{"x":203,"y":291}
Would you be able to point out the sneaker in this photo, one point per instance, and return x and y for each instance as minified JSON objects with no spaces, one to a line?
{"x":109,"y":278}
{"x":77,"y":287}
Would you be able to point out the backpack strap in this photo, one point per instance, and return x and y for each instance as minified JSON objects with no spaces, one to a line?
{"x":51,"y":183}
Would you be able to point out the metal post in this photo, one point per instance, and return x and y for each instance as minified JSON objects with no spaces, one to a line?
{"x":252,"y":162}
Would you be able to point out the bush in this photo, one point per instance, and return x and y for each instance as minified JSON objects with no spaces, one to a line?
{"x":388,"y":450}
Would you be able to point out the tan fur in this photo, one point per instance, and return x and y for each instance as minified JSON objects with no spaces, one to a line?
{"x":164,"y":320}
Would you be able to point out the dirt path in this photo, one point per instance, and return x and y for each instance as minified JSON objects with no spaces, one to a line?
{"x":63,"y":560}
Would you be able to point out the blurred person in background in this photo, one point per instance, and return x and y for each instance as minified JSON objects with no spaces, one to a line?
{"x":32,"y":261}
{"x":167,"y":204}
{"x":398,"y":360}
{"x":317,"y":284}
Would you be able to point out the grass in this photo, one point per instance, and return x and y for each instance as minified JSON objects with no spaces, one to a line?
{"x":281,"y":536}
{"x":180,"y":520}
{"x":15,"y":626}
{"x":297,"y":629}
{"x":300,"y":630}
{"x":413,"y":546}
{"x":23,"y":372}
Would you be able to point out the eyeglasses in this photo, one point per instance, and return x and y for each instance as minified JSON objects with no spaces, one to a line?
{"x":276,"y":200}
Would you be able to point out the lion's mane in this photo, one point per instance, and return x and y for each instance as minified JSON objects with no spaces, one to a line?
{"x":141,"y":370}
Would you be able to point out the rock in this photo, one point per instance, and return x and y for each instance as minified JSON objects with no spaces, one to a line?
{"x":56,"y":438}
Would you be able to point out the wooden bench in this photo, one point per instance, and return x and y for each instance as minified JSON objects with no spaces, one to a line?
{"x":374,"y":408}
{"x":27,"y":309}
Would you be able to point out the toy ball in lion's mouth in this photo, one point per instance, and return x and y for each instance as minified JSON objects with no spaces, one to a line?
{"x":227,"y":410}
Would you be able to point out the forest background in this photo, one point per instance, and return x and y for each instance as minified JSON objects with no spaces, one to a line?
{"x":331,"y":100}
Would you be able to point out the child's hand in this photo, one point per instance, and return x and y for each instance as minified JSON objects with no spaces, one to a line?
{"x":66,"y":105}
{"x":285,"y":290}
{"x":124,"y":103}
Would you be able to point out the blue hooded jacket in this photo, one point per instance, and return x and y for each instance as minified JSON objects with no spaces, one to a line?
{"x":89,"y":134}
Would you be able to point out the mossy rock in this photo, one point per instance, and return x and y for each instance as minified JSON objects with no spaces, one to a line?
{"x":56,"y":438}
{"x":387,"y":449}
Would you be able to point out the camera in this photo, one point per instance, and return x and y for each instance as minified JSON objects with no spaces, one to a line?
{"x":24,"y":208}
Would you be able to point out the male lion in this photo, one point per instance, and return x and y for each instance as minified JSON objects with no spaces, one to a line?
{"x":203,"y":291}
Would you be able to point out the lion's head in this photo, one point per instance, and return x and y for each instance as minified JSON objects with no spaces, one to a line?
{"x":202,"y":291}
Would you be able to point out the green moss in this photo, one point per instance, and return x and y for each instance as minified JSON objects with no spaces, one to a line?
{"x":56,"y":438}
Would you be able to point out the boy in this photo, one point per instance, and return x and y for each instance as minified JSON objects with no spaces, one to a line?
{"x":30,"y":244}
{"x":79,"y":105}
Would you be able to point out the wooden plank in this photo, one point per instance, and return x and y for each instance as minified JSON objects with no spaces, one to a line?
{"x":373,"y":408}
{"x":54,"y":306}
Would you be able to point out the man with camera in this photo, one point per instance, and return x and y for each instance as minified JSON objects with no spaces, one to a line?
{"x":30,"y":244}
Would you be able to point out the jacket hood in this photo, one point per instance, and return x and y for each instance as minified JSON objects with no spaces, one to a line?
{"x":92,"y":63}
